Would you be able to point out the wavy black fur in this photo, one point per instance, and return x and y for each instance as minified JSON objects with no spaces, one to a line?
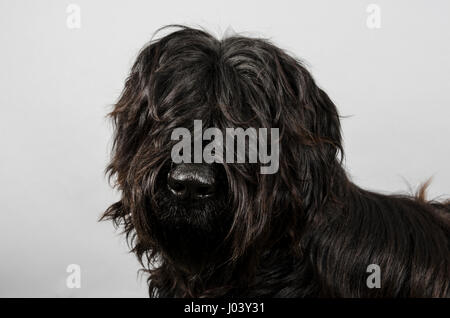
{"x":306,"y":231}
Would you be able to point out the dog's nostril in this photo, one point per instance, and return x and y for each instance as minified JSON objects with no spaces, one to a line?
{"x":205,"y":190}
{"x":192,"y":181}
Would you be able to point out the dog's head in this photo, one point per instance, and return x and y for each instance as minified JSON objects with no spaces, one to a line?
{"x":192,"y":214}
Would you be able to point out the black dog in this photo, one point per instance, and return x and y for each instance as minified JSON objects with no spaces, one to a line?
{"x":207,"y":230}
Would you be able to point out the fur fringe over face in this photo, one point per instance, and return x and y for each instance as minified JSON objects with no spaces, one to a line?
{"x":305,"y":231}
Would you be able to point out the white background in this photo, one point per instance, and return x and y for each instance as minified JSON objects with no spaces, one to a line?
{"x":57,"y":84}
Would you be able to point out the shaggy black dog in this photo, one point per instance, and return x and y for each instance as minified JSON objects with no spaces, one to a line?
{"x":208,"y":230}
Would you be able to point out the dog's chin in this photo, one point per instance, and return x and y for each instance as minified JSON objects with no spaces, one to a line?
{"x":191,"y":234}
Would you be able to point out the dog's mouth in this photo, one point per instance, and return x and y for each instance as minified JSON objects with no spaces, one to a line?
{"x":190,"y":213}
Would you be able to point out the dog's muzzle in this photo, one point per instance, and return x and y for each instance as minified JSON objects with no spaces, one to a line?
{"x":192,"y":181}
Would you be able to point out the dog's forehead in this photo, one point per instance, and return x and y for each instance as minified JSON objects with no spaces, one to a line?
{"x":235,"y":82}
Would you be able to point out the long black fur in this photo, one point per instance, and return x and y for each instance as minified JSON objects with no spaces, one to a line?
{"x":306,"y":231}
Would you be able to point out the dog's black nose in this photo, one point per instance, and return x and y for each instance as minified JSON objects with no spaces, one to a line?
{"x":192,"y":181}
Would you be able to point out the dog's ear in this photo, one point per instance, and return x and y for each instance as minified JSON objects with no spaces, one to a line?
{"x":131,"y":113}
{"x":324,"y":119}
{"x":311,"y":135}
{"x":129,"y":119}
{"x":316,"y":116}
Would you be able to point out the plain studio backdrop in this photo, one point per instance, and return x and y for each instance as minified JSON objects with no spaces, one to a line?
{"x":58,"y":82}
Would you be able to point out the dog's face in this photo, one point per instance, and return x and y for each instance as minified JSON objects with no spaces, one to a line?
{"x":197,"y":213}
{"x":190,"y":212}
